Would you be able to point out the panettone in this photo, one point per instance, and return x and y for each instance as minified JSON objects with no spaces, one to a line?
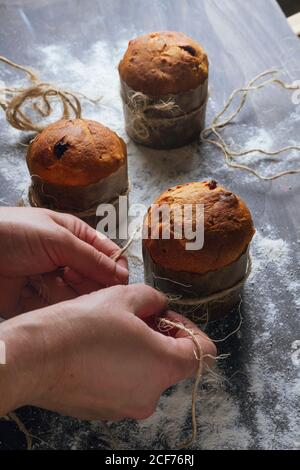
{"x":223,"y":260}
{"x":164,"y":83}
{"x":228,"y":229}
{"x":164,"y":63}
{"x":76,"y":152}
{"x":75,"y":165}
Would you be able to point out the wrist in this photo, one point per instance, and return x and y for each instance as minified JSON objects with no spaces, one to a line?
{"x":22,"y":353}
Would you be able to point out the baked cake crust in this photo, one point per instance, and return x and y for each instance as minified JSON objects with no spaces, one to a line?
{"x":76,"y":152}
{"x":228,"y":229}
{"x":163,"y":63}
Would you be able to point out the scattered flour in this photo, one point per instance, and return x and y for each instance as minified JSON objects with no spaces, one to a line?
{"x":270,"y":250}
{"x":296,"y":353}
{"x":220,"y":426}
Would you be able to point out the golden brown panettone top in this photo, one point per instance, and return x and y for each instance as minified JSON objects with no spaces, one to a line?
{"x":228,"y":229}
{"x":165,"y":62}
{"x":76,"y":152}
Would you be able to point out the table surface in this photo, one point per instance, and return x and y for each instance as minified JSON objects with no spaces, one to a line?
{"x":254,"y":401}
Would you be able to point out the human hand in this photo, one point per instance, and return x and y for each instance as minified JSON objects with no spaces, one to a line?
{"x":53,"y":254}
{"x":95,"y":357}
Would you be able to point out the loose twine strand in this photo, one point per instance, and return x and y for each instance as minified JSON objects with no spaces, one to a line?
{"x":13,"y":100}
{"x":125,"y":248}
{"x":162,"y":324}
{"x":212,"y":134}
{"x":22,"y":428}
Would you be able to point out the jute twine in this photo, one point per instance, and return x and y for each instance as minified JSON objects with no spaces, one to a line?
{"x":90,"y":212}
{"x":13,"y":100}
{"x":13,"y":417}
{"x":164,"y":325}
{"x":139,"y":105}
{"x":142,"y":117}
{"x":28,"y":436}
{"x":124,"y":249}
{"x":220,"y":296}
{"x":213,"y":136}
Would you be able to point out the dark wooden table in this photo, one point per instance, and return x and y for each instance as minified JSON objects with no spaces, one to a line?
{"x":257,"y":407}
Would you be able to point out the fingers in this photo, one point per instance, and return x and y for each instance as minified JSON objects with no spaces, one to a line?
{"x":81,"y":285}
{"x":44,"y":290}
{"x":68,"y":250}
{"x":182,"y":351}
{"x":10,"y":291}
{"x":30,"y":300}
{"x":88,"y":235}
{"x":144,"y":301}
{"x":52,"y":288}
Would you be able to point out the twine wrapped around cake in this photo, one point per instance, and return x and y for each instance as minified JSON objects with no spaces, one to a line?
{"x":189,"y":298}
{"x":204,"y":303}
{"x":90,"y":212}
{"x":80,"y":201}
{"x":164,"y":122}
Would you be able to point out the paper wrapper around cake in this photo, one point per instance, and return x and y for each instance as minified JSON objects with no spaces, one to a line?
{"x":81,"y":201}
{"x":184,"y":298}
{"x":148,"y":124}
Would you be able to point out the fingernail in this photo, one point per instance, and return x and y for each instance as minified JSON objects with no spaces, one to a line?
{"x":122,"y":274}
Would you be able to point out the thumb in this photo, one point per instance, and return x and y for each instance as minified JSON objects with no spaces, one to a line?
{"x":144,"y":301}
{"x":181,"y":348}
{"x":88,"y":261}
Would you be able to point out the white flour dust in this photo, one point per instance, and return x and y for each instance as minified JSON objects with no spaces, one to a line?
{"x":296,"y":353}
